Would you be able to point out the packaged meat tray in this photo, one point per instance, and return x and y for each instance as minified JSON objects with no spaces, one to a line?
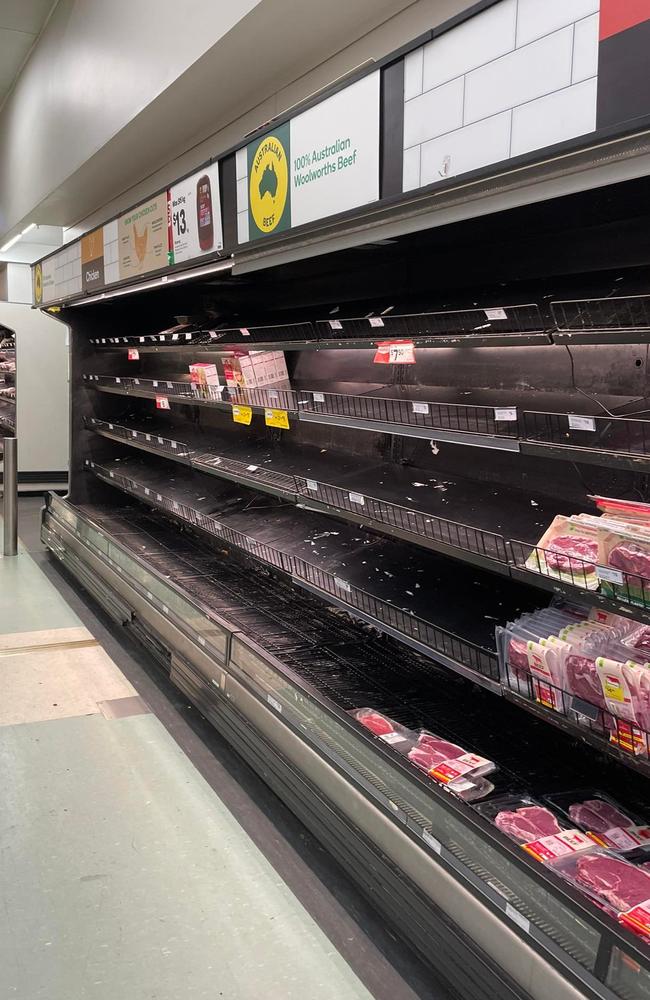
{"x":451,"y":765}
{"x":612,"y":883}
{"x":535,"y":827}
{"x":386,"y":729}
{"x":604,"y":820}
{"x":567,"y":551}
{"x":625,"y":552}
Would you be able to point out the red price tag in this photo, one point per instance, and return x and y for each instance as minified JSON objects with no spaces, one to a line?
{"x":162,"y":403}
{"x":395,"y":352}
{"x":134,"y":354}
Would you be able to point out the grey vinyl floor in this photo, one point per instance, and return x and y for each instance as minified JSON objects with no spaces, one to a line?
{"x":140,"y":858}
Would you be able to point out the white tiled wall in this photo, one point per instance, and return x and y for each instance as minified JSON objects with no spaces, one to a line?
{"x":518,"y":77}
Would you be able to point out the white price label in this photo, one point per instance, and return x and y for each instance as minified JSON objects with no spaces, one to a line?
{"x":319,"y":397}
{"x":357,"y":498}
{"x":376,"y":321}
{"x":335,"y":324}
{"x":201,"y":640}
{"x":244,"y":332}
{"x":609,"y":575}
{"x":155,"y":384}
{"x":518,"y":918}
{"x":110,"y":427}
{"x":137,"y":381}
{"x":147,"y":491}
{"x":402,"y":354}
{"x":148,"y":437}
{"x":505,"y":413}
{"x":495,"y":314}
{"x":141,"y":339}
{"x":312,"y":485}
{"x":174,"y":445}
{"x":577,"y":423}
{"x":252,"y":468}
{"x":161,"y":440}
{"x":134,"y":434}
{"x":341,"y":584}
{"x":420,"y":407}
{"x":118,"y":380}
{"x":274,"y":703}
{"x":174,"y":336}
{"x":432,"y":841}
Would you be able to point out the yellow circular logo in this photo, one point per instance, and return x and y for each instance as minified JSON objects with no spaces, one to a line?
{"x":268,"y":184}
{"x":38,"y":284}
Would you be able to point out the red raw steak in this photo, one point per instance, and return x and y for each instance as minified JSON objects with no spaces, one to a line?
{"x":616,"y":882}
{"x":431,"y":751}
{"x":632,"y":558}
{"x":582,"y":679}
{"x":376,"y":723}
{"x":560,"y":550}
{"x":518,"y":655}
{"x":528,"y":823}
{"x":598,"y":816}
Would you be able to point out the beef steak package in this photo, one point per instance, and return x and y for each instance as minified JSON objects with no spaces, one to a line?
{"x":535,"y":827}
{"x":567,"y":551}
{"x":604,"y":820}
{"x":612,"y":883}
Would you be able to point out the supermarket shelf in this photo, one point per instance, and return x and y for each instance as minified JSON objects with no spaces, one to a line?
{"x":467,"y":542}
{"x":308,"y":691}
{"x":601,"y":440}
{"x":385,"y":616}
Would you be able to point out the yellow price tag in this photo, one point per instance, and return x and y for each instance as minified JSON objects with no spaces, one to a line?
{"x":277,"y":418}
{"x":242,"y":414}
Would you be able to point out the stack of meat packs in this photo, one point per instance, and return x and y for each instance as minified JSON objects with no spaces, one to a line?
{"x":576,"y":841}
{"x":447,"y":763}
{"x":610,"y":552}
{"x":585,"y":663}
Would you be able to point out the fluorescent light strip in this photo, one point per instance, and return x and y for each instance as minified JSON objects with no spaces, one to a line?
{"x":10,"y":243}
{"x":166,"y":279}
{"x":28,"y":228}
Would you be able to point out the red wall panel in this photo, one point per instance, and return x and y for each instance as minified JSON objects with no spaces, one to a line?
{"x":618,"y":15}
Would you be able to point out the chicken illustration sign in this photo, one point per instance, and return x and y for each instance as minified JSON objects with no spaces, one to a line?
{"x":268,"y":183}
{"x":143,"y":238}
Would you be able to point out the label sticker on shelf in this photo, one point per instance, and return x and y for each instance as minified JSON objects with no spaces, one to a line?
{"x":341,"y":584}
{"x":137,"y":381}
{"x":174,"y":445}
{"x":155,"y":384}
{"x":276,"y":418}
{"x":242,"y":414}
{"x":518,"y":918}
{"x":112,"y":475}
{"x":148,"y":437}
{"x":274,"y":703}
{"x":201,"y":640}
{"x":335,"y":324}
{"x":133,"y":354}
{"x":252,"y":468}
{"x":558,"y":845}
{"x":213,"y":334}
{"x":174,"y":336}
{"x":578,"y":423}
{"x":395,"y":352}
{"x":244,"y":331}
{"x":165,"y":609}
{"x":273,"y":394}
{"x":319,"y":397}
{"x":217,"y":526}
{"x":495,"y":314}
{"x":312,"y":485}
{"x":505,"y":413}
{"x":162,"y":403}
{"x":357,"y":498}
{"x":161,"y":440}
{"x":141,"y":340}
{"x":420,"y":407}
{"x":376,"y":321}
{"x":432,"y":841}
{"x":147,"y":491}
{"x":158,"y":496}
{"x":188,"y":336}
{"x":118,"y":381}
{"x":609,"y":575}
{"x":134,"y":434}
{"x":110,"y":427}
{"x":170,"y":385}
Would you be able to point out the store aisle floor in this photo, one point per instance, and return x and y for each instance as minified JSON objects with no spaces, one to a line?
{"x":139,"y":857}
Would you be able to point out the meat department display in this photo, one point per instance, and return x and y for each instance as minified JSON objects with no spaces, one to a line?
{"x":448,"y":764}
{"x":584,"y":663}
{"x":606,"y":821}
{"x":620,"y":888}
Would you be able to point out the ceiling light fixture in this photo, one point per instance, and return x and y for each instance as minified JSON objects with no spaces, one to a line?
{"x":28,"y":229}
{"x":8,"y":245}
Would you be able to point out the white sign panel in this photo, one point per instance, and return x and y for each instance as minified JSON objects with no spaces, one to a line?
{"x":335,"y":153}
{"x":195,"y":215}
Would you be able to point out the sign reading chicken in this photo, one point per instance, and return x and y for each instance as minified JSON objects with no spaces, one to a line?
{"x":142,"y":236}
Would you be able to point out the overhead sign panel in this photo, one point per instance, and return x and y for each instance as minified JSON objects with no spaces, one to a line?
{"x":142,"y":238}
{"x":92,"y":260}
{"x":195,"y":226}
{"x":324,"y":161}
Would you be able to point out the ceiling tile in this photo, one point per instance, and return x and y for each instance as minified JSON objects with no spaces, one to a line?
{"x":14,"y":46}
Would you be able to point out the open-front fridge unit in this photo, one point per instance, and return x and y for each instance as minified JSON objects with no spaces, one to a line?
{"x":374,"y":491}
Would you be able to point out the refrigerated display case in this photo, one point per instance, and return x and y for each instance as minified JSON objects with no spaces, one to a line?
{"x":352,"y":537}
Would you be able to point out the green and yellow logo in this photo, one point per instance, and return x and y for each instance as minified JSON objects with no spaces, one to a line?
{"x":38,"y":284}
{"x":269,"y":200}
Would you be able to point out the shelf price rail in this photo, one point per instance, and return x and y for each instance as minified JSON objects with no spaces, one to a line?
{"x":453,"y":651}
{"x":603,"y":439}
